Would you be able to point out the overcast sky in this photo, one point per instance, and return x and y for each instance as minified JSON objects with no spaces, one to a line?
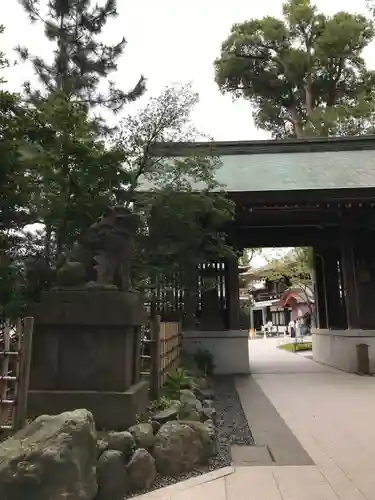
{"x":172,"y":41}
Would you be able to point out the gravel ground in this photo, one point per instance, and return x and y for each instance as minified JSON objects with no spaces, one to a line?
{"x":232,"y":429}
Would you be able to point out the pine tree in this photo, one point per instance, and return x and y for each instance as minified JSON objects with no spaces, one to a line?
{"x":81,"y":60}
{"x":4,"y":62}
{"x":78,"y":174}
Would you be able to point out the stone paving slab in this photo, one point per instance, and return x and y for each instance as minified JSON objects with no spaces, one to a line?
{"x":251,"y":456}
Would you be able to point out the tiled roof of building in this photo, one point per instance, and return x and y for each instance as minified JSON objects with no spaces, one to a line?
{"x":298,"y":171}
{"x":289,"y":165}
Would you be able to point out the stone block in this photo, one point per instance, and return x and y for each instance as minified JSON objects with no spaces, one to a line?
{"x":111,"y":410}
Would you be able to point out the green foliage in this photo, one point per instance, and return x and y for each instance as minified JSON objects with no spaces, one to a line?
{"x":78,"y":176}
{"x":4,"y":62}
{"x":304,"y":74}
{"x":245,"y":261}
{"x":296,"y":268}
{"x":176,"y":381}
{"x":18,"y":125}
{"x":204,"y":361}
{"x":162,"y":403}
{"x":182,"y":225}
{"x":62,"y":167}
{"x":57,"y":170}
{"x":296,"y":346}
{"x":81,"y":60}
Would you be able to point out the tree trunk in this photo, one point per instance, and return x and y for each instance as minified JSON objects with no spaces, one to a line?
{"x":309,"y":99}
{"x":296,"y":120}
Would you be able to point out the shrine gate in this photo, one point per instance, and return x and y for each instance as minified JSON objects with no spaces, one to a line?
{"x":292,"y":193}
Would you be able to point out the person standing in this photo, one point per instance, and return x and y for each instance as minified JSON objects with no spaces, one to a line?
{"x":269,"y":327}
{"x":298,"y":327}
{"x":292,"y":328}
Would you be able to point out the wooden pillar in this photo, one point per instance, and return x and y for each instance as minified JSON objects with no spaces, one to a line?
{"x":211,"y":316}
{"x":320,"y":292}
{"x":350,"y":283}
{"x":233,"y":294}
{"x":365,"y":272}
{"x":335,"y":305}
{"x":191,"y":300}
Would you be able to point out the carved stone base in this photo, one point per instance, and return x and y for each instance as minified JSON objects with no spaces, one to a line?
{"x":89,"y":307}
{"x":111,"y":410}
{"x":86,"y":341}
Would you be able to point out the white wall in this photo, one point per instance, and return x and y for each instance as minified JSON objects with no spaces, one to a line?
{"x":230,"y":349}
{"x":337,"y":348}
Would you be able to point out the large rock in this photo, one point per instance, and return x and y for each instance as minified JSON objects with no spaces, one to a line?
{"x":208,"y":436}
{"x":186,"y":412}
{"x":190,"y":408}
{"x":188,"y":398}
{"x":122,"y":441}
{"x":178,"y":448}
{"x":53,"y":458}
{"x":143,"y":435}
{"x":155,"y":426}
{"x":208,"y":414}
{"x":101,"y":447}
{"x":202,"y":383}
{"x":166,"y":415}
{"x":112,"y":477}
{"x":141,"y":470}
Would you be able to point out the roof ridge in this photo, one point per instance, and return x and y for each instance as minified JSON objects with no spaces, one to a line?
{"x":306,"y":145}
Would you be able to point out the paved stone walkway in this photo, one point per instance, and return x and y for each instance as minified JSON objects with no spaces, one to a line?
{"x":330,"y":413}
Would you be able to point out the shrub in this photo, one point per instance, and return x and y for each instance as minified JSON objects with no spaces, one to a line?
{"x":177,"y":380}
{"x":205,"y":362}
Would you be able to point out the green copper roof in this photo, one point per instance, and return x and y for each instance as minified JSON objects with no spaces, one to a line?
{"x":311,"y":164}
{"x":298,"y":171}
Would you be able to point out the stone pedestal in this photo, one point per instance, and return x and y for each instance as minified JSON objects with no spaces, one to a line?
{"x":86,"y":353}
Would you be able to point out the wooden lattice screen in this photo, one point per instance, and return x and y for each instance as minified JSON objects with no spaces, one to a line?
{"x":161,"y":352}
{"x":212,"y":293}
{"x":170,"y":349}
{"x":15,"y":357}
{"x":169,"y":297}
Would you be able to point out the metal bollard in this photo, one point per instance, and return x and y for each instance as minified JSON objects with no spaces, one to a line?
{"x":363,"y":360}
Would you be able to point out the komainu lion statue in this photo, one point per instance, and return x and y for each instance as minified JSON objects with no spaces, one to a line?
{"x":101,"y":258}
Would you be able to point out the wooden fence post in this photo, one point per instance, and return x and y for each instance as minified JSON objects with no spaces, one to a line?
{"x":5,"y":364}
{"x":155,"y":358}
{"x":20,"y":416}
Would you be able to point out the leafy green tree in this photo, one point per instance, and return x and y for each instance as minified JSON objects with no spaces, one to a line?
{"x":77,"y":173}
{"x":4,"y":62}
{"x":81,"y":60}
{"x":36,"y":189}
{"x":74,"y":193}
{"x":183,"y":210}
{"x":304,"y":75}
{"x":17,"y":127}
{"x":297,"y":269}
{"x":246,"y":261}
